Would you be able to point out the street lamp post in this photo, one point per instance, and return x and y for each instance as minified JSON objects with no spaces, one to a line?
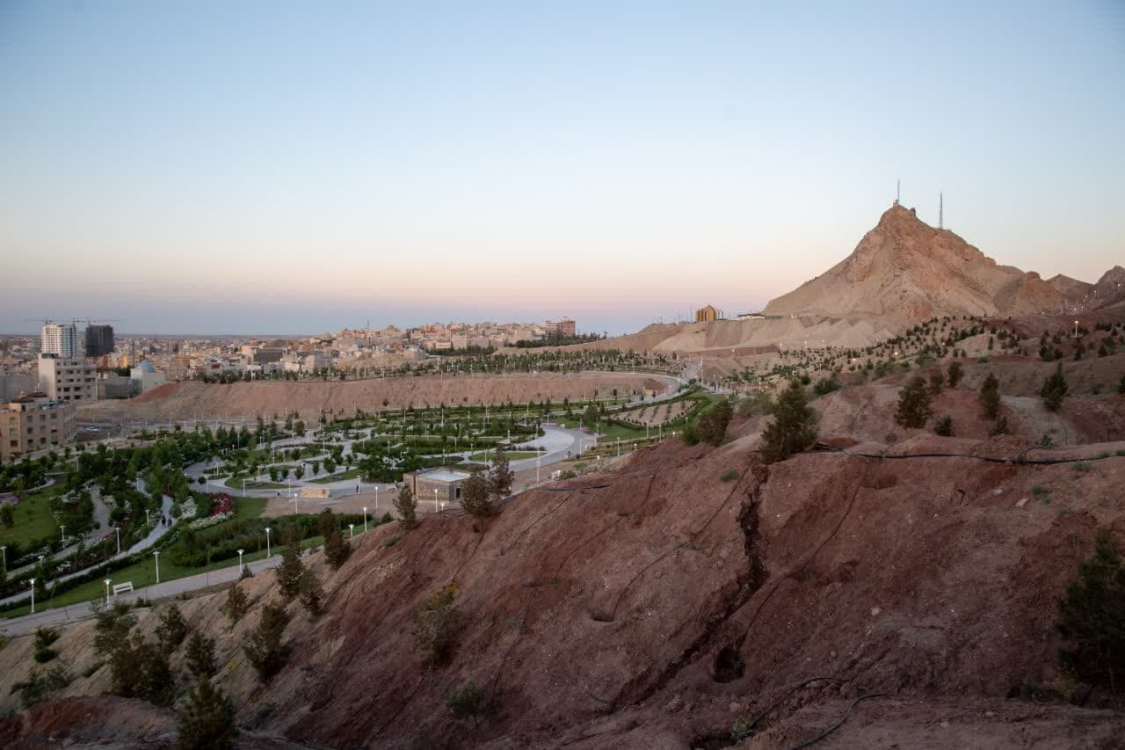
{"x":267,"y":541}
{"x":32,"y":582}
{"x":365,"y":519}
{"x":62,"y":533}
{"x":107,"y":590}
{"x":435,"y":500}
{"x":351,"y":529}
{"x":376,"y":497}
{"x":241,"y":568}
{"x":118,"y":530}
{"x":156,"y":554}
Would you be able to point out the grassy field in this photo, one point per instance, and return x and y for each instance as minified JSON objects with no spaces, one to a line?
{"x":249,"y":507}
{"x":33,"y":519}
{"x":235,"y":483}
{"x":351,"y":474}
{"x":511,"y":455}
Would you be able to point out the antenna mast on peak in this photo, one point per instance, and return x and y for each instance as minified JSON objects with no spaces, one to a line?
{"x":898,"y":191}
{"x":940,"y":211}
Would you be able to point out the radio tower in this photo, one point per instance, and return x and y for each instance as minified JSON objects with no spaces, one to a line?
{"x":940,"y":211}
{"x":898,"y":191}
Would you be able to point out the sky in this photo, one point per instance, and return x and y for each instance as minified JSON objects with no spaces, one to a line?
{"x":297,"y":167}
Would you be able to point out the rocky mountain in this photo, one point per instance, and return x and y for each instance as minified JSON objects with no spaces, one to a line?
{"x":1110,"y":289}
{"x":907,"y":270}
{"x":1073,"y":290}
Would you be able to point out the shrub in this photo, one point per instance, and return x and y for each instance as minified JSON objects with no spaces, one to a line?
{"x":312,"y":595}
{"x":793,"y":427}
{"x":1054,"y":389}
{"x":954,"y":373}
{"x":463,"y":702}
{"x":913,"y":404}
{"x":141,"y":670}
{"x":999,"y":428}
{"x":500,"y":476}
{"x":937,"y":380}
{"x":990,"y":397}
{"x":199,"y":657}
{"x":756,"y":404}
{"x":712,"y":425}
{"x":237,"y":603}
{"x":437,"y":624}
{"x":475,"y":497}
{"x":44,"y":637}
{"x":207,"y":719}
{"x":336,"y":550}
{"x":1121,"y":386}
{"x":42,"y":686}
{"x":264,"y":649}
{"x":112,"y":626}
{"x":406,"y":506}
{"x":1092,"y":616}
{"x":944,"y":426}
{"x":824,"y":386}
{"x":172,"y":629}
{"x":728,"y":476}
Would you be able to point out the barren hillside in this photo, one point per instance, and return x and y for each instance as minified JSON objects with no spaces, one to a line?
{"x":191,"y":400}
{"x":907,"y":270}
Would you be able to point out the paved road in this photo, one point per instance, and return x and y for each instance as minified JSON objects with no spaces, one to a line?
{"x":81,"y":611}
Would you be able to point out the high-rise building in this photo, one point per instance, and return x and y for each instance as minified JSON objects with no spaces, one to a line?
{"x":67,"y":378}
{"x":60,"y":339}
{"x":99,"y":340}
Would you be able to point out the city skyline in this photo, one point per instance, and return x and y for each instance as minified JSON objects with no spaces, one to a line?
{"x":278,"y":168}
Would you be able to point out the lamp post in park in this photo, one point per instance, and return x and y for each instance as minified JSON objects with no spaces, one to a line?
{"x":365,"y":519}
{"x":241,"y":567}
{"x":267,"y":541}
{"x":107,"y":590}
{"x":351,"y":529}
{"x":156,"y":554}
{"x":32,"y":582}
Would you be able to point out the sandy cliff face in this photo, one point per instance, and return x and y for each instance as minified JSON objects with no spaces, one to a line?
{"x":907,"y":270}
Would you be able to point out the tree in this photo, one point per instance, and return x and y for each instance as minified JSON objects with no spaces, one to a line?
{"x":956,"y":372}
{"x":44,"y":637}
{"x":6,"y":516}
{"x":1121,"y":386}
{"x":1092,"y":616}
{"x":199,"y":657}
{"x":464,"y":702}
{"x":237,"y":603}
{"x":437,"y":624}
{"x":140,"y":669}
{"x":207,"y":719}
{"x":712,"y":426}
{"x":944,"y":426}
{"x":290,"y":570}
{"x":336,"y":550}
{"x":913,"y":404}
{"x":475,"y":497}
{"x":111,"y":627}
{"x":264,"y":649}
{"x":299,"y":472}
{"x":793,"y":428}
{"x":172,"y":629}
{"x":937,"y":380}
{"x":990,"y":397}
{"x":406,"y":506}
{"x":1054,"y":389}
{"x":500,"y":475}
{"x":312,"y":595}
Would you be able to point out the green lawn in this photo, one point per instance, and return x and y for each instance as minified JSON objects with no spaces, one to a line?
{"x":350,"y":474}
{"x":249,"y":507}
{"x":511,"y":456}
{"x":235,"y":483}
{"x":32,"y":518}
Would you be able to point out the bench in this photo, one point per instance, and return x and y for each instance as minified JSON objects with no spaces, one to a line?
{"x":121,"y":588}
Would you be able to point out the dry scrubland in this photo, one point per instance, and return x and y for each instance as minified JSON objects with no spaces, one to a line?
{"x":189,"y":400}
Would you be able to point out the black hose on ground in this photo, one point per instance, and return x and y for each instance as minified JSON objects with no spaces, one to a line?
{"x":748,"y":730}
{"x":839,"y":723}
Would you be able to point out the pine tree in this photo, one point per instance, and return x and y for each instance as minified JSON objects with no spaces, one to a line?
{"x":312,"y":595}
{"x":406,"y":506}
{"x":1092,"y":616}
{"x":956,"y":372}
{"x":336,"y":550}
{"x":290,"y":570}
{"x":500,"y":476}
{"x":793,"y":428}
{"x":1054,"y":389}
{"x":713,"y":423}
{"x":199,"y":656}
{"x":237,"y":603}
{"x":172,"y":629}
{"x":913,"y":404}
{"x":474,"y":496}
{"x":207,"y":719}
{"x":264,"y":649}
{"x":990,"y":397}
{"x":944,"y":426}
{"x":937,"y":380}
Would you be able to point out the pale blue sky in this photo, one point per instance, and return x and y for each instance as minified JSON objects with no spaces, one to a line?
{"x":296,"y":167}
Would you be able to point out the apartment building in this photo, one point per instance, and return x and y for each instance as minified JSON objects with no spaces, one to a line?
{"x":60,"y":340}
{"x":34,"y":422}
{"x":67,"y":378}
{"x":99,"y":340}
